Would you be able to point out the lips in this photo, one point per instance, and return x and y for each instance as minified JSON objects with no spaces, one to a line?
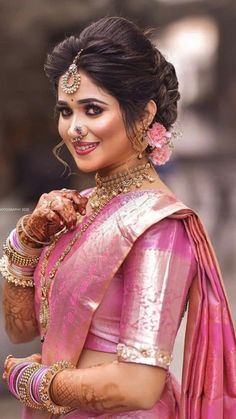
{"x":82,"y":147}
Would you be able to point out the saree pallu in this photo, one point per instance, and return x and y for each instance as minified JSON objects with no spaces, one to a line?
{"x":208,"y":388}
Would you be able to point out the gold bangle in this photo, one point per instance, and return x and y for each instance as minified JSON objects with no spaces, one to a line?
{"x":27,"y":250}
{"x":44,"y":389}
{"x":21,"y":281}
{"x":28,"y":235}
{"x":23,"y":387}
{"x":17,"y":258}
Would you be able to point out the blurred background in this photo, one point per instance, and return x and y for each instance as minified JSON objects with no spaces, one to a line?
{"x":199,"y":37}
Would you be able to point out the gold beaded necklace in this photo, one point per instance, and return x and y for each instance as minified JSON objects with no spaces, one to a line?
{"x":106,"y":189}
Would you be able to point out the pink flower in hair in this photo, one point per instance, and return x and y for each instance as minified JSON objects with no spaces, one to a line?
{"x":160,"y":139}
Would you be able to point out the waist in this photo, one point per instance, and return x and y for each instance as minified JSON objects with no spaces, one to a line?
{"x":91,"y":358}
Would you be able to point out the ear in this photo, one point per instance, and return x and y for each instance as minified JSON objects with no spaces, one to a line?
{"x":150,"y":112}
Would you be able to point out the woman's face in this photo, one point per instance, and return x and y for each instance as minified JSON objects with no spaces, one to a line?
{"x":99,"y":115}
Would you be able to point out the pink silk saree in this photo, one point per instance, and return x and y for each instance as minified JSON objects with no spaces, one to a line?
{"x":208,"y":388}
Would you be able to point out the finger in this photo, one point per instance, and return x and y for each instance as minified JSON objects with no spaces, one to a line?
{"x":36,"y":357}
{"x":9,"y":362}
{"x":44,"y":223}
{"x":65,"y":209}
{"x":4,"y":376}
{"x":78,"y":200}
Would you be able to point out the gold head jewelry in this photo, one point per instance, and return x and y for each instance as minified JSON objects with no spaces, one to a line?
{"x":71,"y":79}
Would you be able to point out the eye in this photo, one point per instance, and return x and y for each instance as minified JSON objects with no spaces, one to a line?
{"x":63,"y":110}
{"x":93,"y":109}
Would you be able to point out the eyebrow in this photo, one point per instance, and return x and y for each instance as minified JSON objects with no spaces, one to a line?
{"x":82,"y":101}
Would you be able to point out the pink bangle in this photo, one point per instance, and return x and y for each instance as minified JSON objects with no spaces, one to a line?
{"x":14,"y":375}
{"x":36,"y":384}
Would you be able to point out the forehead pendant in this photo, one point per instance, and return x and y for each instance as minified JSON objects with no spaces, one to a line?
{"x":71,"y":79}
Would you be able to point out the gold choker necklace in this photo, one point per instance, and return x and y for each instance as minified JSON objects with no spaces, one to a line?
{"x":107,"y":187}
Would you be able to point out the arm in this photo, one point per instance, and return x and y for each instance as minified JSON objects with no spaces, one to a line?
{"x":18,"y":307}
{"x":18,"y":297}
{"x":114,"y":387}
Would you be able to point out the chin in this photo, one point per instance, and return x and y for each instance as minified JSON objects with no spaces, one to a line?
{"x":87,"y":167}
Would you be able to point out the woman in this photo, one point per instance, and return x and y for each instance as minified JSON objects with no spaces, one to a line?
{"x":104,"y":275}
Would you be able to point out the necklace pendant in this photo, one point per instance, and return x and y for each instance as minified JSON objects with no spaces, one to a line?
{"x":44,"y":314}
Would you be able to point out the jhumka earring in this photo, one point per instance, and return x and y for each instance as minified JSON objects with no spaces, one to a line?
{"x":71,"y":79}
{"x":139,"y":142}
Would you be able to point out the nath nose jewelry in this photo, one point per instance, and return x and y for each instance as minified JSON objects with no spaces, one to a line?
{"x":79,"y":131}
{"x":80,"y":134}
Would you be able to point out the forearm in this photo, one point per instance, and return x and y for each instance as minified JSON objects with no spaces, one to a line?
{"x":114,"y":387}
{"x":18,"y":307}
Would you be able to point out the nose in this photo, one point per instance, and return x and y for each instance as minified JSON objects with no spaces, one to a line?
{"x":77,"y":130}
{"x":72,"y":130}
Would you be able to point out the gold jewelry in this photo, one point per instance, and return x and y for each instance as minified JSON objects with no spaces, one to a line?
{"x":137,"y":141}
{"x":110,"y":186}
{"x":48,"y":204}
{"x":44,"y":389}
{"x":13,"y":278}
{"x":107,"y":188}
{"x":17,"y":258}
{"x":26,"y":250}
{"x":71,"y":79}
{"x":23,"y":386}
{"x":22,"y":219}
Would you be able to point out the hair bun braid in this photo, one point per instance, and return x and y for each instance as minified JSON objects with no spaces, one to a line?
{"x":167,"y":94}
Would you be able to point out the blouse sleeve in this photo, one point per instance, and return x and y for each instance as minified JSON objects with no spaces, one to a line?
{"x":157,"y":275}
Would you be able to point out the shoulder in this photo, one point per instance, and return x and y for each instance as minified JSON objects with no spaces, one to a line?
{"x":168,"y":234}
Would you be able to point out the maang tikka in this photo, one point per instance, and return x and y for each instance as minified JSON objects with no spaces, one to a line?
{"x":71,"y":79}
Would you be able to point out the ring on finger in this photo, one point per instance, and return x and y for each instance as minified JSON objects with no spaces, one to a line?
{"x":47,"y":204}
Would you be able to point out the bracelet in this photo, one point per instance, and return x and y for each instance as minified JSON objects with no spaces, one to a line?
{"x":22,"y":247}
{"x":16,"y":279}
{"x":13,"y":377}
{"x":21,"y":223}
{"x":44,"y":388}
{"x":23,"y":388}
{"x":17,"y":258}
{"x":30,"y":383}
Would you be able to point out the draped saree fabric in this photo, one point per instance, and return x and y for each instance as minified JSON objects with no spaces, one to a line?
{"x":208,"y":388}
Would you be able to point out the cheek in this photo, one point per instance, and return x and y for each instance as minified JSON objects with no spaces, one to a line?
{"x":62,"y":129}
{"x":110,"y":126}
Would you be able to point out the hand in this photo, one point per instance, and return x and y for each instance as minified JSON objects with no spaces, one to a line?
{"x":54,"y":211}
{"x":10,"y":362}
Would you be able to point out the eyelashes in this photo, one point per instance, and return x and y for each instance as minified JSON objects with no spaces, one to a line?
{"x":90,"y":109}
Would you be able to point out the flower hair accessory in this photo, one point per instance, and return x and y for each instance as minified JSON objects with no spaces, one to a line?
{"x":161,"y":141}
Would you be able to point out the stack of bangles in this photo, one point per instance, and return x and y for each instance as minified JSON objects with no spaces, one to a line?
{"x":19,"y":260}
{"x":30,"y":383}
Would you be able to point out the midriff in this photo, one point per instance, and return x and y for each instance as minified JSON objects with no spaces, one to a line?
{"x":91,"y":358}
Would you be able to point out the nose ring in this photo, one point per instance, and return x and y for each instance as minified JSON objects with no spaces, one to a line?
{"x":79,"y":131}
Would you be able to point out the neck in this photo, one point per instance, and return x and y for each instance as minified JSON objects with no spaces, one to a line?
{"x":132,"y":161}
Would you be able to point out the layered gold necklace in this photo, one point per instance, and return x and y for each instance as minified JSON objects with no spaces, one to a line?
{"x":106,"y":189}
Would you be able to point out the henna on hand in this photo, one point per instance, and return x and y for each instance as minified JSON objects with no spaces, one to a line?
{"x":90,"y":390}
{"x":55,"y":211}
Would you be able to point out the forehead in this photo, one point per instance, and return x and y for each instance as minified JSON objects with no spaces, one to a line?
{"x":87,"y":89}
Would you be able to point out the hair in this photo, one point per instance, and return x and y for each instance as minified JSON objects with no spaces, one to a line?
{"x":119,"y":57}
